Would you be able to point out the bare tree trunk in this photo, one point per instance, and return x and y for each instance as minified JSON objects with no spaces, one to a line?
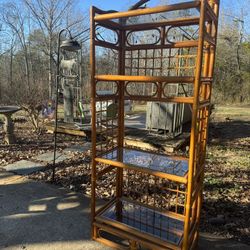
{"x":27,"y":70}
{"x":240,"y":79}
{"x":11,"y":67}
{"x":51,"y":92}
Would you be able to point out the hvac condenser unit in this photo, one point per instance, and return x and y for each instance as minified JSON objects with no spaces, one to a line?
{"x":168,"y":117}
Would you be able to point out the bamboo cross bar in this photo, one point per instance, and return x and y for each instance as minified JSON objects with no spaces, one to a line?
{"x":129,"y":78}
{"x":160,"y":9}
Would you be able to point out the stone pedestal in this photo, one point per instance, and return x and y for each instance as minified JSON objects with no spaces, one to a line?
{"x":9,"y":136}
{"x":8,"y":111}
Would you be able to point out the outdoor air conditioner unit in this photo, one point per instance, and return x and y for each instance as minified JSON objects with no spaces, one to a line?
{"x":168,"y":117}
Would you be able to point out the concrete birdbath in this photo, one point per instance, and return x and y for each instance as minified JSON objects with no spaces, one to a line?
{"x":8,"y":111}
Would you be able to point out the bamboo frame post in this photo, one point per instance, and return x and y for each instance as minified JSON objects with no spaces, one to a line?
{"x":121,"y":71}
{"x":193,"y":135}
{"x":93,"y":120}
{"x":208,"y":71}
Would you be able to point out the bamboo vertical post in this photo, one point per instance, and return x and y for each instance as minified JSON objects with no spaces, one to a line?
{"x":93,"y":120}
{"x":121,"y":71}
{"x":208,"y":72}
{"x":193,"y":134}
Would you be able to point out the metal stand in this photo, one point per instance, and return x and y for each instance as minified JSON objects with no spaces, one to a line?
{"x":68,"y":45}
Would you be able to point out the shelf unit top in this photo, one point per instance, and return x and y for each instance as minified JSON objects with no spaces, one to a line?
{"x":172,"y":168}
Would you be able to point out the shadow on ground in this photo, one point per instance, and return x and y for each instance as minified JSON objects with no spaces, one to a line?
{"x":37,"y":216}
{"x":230,"y":131}
{"x":43,"y":216}
{"x":209,"y":242}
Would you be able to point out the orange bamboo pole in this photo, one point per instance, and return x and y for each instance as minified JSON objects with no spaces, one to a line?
{"x":93,"y":110}
{"x":193,"y":135}
{"x":119,"y":177}
{"x":144,"y":170}
{"x":132,"y":231}
{"x":167,"y":79}
{"x":165,"y":8}
{"x":212,"y":55}
{"x":208,"y":71}
{"x":127,"y":235}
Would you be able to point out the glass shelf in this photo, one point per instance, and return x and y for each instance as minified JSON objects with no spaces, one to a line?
{"x":147,"y":161}
{"x":144,"y":220}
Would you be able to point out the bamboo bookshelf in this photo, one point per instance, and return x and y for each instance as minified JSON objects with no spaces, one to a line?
{"x":152,"y":200}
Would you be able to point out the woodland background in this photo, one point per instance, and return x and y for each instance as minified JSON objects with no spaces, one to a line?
{"x":28,"y":45}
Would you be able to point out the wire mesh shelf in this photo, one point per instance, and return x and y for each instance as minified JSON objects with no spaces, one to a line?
{"x":143,"y":219}
{"x":147,"y":161}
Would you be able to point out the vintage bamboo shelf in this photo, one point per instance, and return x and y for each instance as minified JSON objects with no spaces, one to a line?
{"x":160,"y":54}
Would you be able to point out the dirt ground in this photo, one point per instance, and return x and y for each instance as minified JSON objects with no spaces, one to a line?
{"x":226,"y":206}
